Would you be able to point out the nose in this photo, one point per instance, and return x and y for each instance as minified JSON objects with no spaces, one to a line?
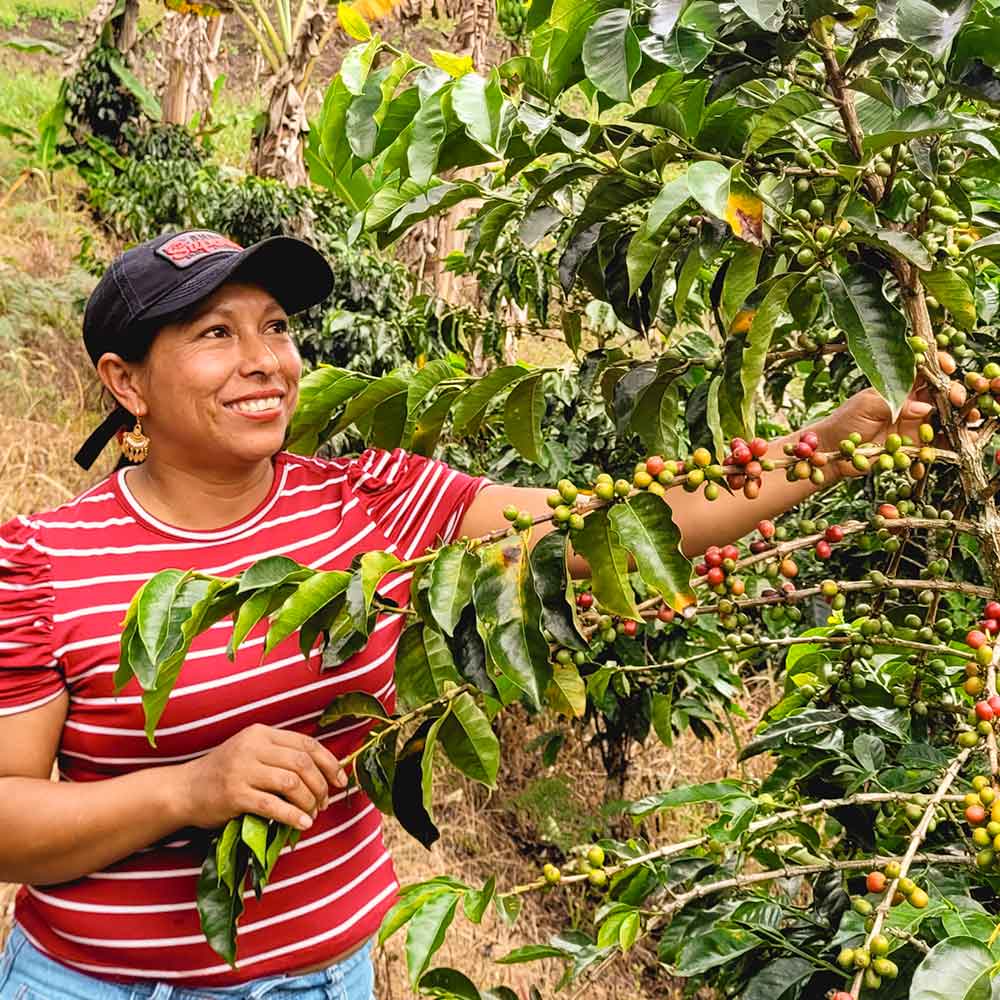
{"x":257,"y":356}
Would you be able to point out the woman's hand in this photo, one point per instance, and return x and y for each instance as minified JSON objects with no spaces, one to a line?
{"x":271,"y":772}
{"x":868,"y":413}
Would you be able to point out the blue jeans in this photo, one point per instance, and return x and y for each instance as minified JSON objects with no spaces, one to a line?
{"x":27,"y":974}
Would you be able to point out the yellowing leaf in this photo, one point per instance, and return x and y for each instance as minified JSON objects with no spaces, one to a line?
{"x":374,"y":10}
{"x":351,"y":20}
{"x":745,"y":214}
{"x":567,"y":693}
{"x":742,"y":320}
{"x":455,"y":66}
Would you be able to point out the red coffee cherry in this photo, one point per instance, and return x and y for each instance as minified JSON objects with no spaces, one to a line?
{"x":835,"y":533}
{"x":655,"y":465}
{"x":875,"y":882}
{"x":766,"y":529}
{"x":758,"y":447}
{"x":730,"y":552}
{"x":665,"y":614}
{"x":803,"y":450}
{"x":585,"y":600}
{"x":630,"y":627}
{"x":823,"y":550}
{"x":975,"y":639}
{"x":810,"y":439}
{"x":716,"y":575}
{"x":992,"y":610}
{"x":984,"y":711}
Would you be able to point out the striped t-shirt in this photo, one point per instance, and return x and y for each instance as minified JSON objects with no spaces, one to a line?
{"x":66,"y":579}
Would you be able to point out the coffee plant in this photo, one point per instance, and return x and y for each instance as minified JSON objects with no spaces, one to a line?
{"x":785,"y":200}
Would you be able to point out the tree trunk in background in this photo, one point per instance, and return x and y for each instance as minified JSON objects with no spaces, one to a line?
{"x":191,"y":46}
{"x":126,"y":28}
{"x":90,"y":31}
{"x":427,"y":246}
{"x":278,"y":148}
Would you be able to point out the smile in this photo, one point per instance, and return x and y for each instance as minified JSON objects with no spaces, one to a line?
{"x":255,"y":405}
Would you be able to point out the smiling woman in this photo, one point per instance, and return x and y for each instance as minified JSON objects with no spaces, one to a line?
{"x":189,"y":333}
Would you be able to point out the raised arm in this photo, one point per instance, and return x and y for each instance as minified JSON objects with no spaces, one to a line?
{"x":730,"y":516}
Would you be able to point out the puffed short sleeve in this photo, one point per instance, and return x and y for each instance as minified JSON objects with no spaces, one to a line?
{"x":416,"y":502}
{"x":29,"y":673}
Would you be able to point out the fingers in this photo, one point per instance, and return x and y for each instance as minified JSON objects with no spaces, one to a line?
{"x":302,"y":764}
{"x":331,"y":768}
{"x":286,"y":784}
{"x":276,"y":808}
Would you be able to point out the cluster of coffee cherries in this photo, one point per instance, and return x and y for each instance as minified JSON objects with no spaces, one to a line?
{"x":810,"y":460}
{"x":590,"y":862}
{"x":718,"y":568}
{"x":982,"y":813}
{"x":980,"y":389}
{"x":980,"y":640}
{"x":748,"y":458}
{"x":894,"y":457}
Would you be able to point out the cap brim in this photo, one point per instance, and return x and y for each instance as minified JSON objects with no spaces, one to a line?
{"x":295,"y":273}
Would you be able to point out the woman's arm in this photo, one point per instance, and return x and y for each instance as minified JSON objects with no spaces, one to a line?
{"x":54,"y":832}
{"x":703,"y":523}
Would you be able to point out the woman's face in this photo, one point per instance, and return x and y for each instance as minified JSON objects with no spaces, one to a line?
{"x":221,"y":387}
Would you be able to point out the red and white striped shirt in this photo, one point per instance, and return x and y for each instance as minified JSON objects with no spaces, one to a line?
{"x":66,"y":579}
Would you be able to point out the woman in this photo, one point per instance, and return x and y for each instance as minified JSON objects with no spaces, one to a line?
{"x":189,"y":333}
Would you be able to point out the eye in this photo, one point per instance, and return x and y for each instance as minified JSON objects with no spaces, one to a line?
{"x":278,"y":326}
{"x":215,"y":332}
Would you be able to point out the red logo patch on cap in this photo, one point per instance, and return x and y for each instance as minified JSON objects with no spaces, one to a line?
{"x":188,"y":248}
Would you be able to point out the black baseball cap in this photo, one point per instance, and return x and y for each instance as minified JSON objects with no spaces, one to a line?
{"x":163,"y":276}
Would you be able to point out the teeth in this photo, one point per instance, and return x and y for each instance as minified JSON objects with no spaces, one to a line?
{"x":256,"y":405}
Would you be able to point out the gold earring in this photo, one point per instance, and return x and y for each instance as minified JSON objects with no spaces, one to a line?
{"x":135,"y":444}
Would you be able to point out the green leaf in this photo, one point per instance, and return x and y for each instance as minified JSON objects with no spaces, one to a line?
{"x":780,"y":979}
{"x":767,"y":13}
{"x":440,"y":661}
{"x":476,"y":901}
{"x":311,"y":596}
{"x":758,"y":341}
{"x":448,"y":983}
{"x":376,"y":394}
{"x":353,"y":704}
{"x":787,"y":109}
{"x":219,"y":909}
{"x":523,"y":415}
{"x":931,"y":26}
{"x":199,"y":604}
{"x":550,"y":573}
{"x":469,"y":742}
{"x":708,"y":183}
{"x":426,"y":932}
{"x":321,"y":392}
{"x":600,"y":545}
{"x":407,"y":789}
{"x":253,"y":833}
{"x":153,"y":609}
{"x":509,"y":617}
{"x":451,"y":577}
{"x":352,"y":22}
{"x":471,"y":406}
{"x":953,"y":293}
{"x":414,"y":682}
{"x":147,"y":101}
{"x":357,"y":64}
{"x":876,"y":331}
{"x":954,"y":969}
{"x":427,"y":762}
{"x":375,"y":566}
{"x":914,"y":123}
{"x":225,"y":853}
{"x":428,"y":131}
{"x":427,"y":428}
{"x":479,"y":105}
{"x":411,"y":899}
{"x":646,"y":529}
{"x":251,"y":612}
{"x":272,"y":572}
{"x":671,"y":197}
{"x":22,"y":43}
{"x":611,"y":54}
{"x":711,"y":791}
{"x":375,"y":769}
{"x":740,"y":280}
{"x":810,"y":723}
{"x":686,"y":278}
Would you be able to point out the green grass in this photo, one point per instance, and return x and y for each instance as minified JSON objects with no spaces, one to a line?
{"x":24,"y":98}
{"x":15,"y":12}
{"x":231,"y":144}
